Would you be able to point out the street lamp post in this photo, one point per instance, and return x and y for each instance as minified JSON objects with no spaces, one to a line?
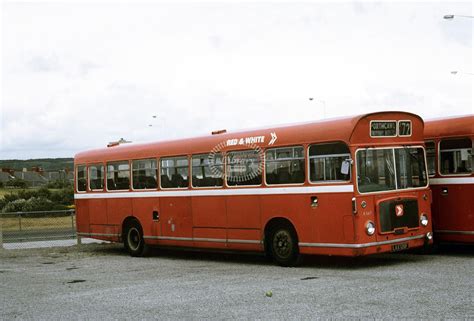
{"x":451,"y":16}
{"x":455,"y":72}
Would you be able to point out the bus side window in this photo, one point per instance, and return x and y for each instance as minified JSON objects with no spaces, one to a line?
{"x":244,"y":168}
{"x":284,"y":165}
{"x":174,"y":172}
{"x":431,"y":158}
{"x":81,"y":181}
{"x":118,"y":176}
{"x":207,"y":170}
{"x":96,"y":177}
{"x":144,"y":174}
{"x":326,"y":160}
{"x":455,"y":156}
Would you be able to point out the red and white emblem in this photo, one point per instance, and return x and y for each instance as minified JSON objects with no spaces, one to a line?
{"x":399,"y":210}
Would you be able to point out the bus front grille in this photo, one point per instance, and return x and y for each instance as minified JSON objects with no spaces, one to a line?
{"x":398,"y":214}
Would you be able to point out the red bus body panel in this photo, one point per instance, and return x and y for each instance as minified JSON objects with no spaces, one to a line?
{"x":235,"y":218}
{"x":453,"y":212}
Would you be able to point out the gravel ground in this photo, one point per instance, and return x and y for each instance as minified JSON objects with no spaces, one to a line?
{"x":100,"y":281}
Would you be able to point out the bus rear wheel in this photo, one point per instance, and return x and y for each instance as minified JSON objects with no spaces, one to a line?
{"x":284,"y":246}
{"x":134,"y":241}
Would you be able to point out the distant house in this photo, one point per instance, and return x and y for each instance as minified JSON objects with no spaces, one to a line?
{"x":32,"y":178}
{"x":59,"y":175}
{"x":36,"y":176}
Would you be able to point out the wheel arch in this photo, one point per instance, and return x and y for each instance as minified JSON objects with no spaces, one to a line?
{"x":126,"y":222}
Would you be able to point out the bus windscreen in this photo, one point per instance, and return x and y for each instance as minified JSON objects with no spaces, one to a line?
{"x":386,"y":169}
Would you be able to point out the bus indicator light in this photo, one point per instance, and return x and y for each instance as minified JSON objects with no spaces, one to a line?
{"x":424,"y":220}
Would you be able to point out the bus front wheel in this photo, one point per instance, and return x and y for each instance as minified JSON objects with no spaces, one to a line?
{"x":134,"y":241}
{"x":284,"y":246}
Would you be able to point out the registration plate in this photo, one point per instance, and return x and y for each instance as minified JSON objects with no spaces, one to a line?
{"x":399,"y":247}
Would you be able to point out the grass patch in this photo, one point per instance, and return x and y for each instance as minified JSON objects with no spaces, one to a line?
{"x":4,"y":191}
{"x":36,"y":223}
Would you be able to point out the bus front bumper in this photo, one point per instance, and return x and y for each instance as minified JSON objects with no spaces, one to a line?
{"x":358,"y":249}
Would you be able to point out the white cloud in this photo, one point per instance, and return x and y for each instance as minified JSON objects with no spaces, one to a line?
{"x":76,"y":76}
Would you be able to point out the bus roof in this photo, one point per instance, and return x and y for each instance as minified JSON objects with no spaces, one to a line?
{"x":330,"y":130}
{"x":449,"y":126}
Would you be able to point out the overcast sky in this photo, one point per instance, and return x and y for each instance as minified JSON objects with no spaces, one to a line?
{"x":77,"y":76}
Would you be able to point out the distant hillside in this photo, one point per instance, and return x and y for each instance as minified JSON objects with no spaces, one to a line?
{"x":48,"y":164}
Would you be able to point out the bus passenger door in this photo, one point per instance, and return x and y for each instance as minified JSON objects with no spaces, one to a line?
{"x":331,"y":203}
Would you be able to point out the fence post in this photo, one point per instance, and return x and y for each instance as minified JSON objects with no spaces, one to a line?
{"x":1,"y":232}
{"x":78,"y":237}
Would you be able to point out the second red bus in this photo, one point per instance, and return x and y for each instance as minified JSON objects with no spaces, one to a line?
{"x":449,"y":144}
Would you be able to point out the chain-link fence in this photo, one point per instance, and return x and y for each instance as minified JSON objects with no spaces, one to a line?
{"x":37,"y":229}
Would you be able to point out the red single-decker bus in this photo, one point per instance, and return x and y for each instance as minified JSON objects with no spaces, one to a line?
{"x":351,"y":186}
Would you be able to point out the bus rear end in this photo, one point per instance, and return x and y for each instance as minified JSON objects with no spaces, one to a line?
{"x":392,"y":200}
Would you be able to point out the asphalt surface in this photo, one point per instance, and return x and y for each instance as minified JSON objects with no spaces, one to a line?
{"x":100,"y":281}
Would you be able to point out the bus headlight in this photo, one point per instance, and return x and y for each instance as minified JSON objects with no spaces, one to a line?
{"x":424,"y":219}
{"x":370,"y":228}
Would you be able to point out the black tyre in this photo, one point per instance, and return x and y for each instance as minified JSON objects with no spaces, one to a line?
{"x":283,"y":246}
{"x":430,"y":249}
{"x":133,"y":240}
